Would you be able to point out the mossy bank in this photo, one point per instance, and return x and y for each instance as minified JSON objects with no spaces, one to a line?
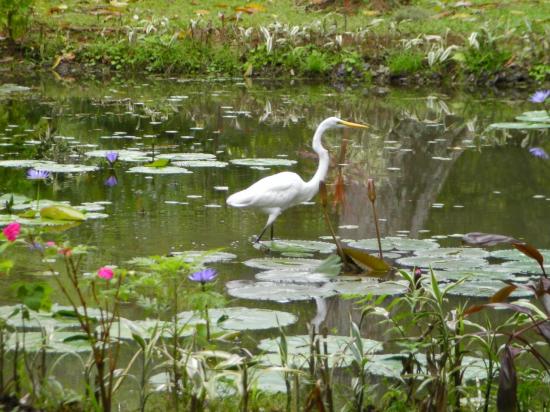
{"x":382,"y":42}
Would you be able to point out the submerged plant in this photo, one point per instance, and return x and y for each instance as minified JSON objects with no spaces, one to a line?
{"x":38,"y":176}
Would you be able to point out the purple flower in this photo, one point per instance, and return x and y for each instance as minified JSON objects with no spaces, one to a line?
{"x":204,"y":276}
{"x":111,"y":181}
{"x":34,"y":174}
{"x":538,"y":152}
{"x":111,"y":157}
{"x":540,"y":96}
{"x":36,"y":246}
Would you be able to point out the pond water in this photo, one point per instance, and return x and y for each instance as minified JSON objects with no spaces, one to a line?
{"x":439,"y":172}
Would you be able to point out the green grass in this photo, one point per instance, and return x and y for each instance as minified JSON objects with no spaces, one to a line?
{"x":206,"y":36}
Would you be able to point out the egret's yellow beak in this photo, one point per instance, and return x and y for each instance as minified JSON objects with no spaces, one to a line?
{"x":356,"y":125}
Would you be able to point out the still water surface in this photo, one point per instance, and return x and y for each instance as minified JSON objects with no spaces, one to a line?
{"x":437,"y":172}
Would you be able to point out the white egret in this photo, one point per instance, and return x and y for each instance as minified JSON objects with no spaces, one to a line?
{"x":274,"y":194}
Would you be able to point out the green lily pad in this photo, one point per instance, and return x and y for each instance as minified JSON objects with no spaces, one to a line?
{"x":537,"y":116}
{"x":200,"y":163}
{"x":61,"y":212}
{"x":395,"y":243}
{"x":55,"y":343}
{"x":485,"y":289}
{"x":158,"y":163}
{"x":298,"y":349}
{"x":480,"y":275}
{"x":391,"y":366}
{"x":363,"y":286}
{"x":298,"y":264}
{"x":292,"y":276}
{"x":296,"y":246}
{"x":8,"y":88}
{"x":276,"y":292}
{"x":453,"y":253}
{"x":205,"y":257}
{"x":26,"y":163}
{"x":522,"y":266}
{"x":168,"y":170}
{"x":66,"y":168}
{"x":514,"y":254}
{"x":443,"y":263}
{"x":241,"y":318}
{"x":7,"y":219}
{"x":123,"y":155}
{"x":518,"y":125}
{"x":185,"y":157}
{"x":263,"y":162}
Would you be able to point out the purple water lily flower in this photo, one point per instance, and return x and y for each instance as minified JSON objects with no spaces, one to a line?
{"x":540,"y":96}
{"x":204,"y":276}
{"x":111,"y":181}
{"x":539,"y":152}
{"x":34,"y":174}
{"x":111,"y":157}
{"x":36,"y":246}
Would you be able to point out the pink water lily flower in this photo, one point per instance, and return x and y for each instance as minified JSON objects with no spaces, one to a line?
{"x":105,"y":273}
{"x":11,"y":231}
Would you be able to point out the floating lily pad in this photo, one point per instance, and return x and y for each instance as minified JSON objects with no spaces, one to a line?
{"x":62,"y":212}
{"x":514,"y":254}
{"x":391,"y":366}
{"x":205,"y":257}
{"x":6,"y":219}
{"x":480,"y":275}
{"x":298,"y":348}
{"x":66,"y":168}
{"x":55,"y":343}
{"x":485,"y":289}
{"x":296,"y":246}
{"x":26,"y":163}
{"x":395,"y":243}
{"x":292,"y":276}
{"x":60,"y":317}
{"x":453,"y":252}
{"x":201,"y":163}
{"x":185,"y":157}
{"x":123,"y":155}
{"x":522,"y":266}
{"x":519,"y":125}
{"x":8,"y":88}
{"x":444,"y":263}
{"x":263,"y":162}
{"x":168,"y":170}
{"x":363,"y":286}
{"x":537,"y":116}
{"x":298,"y":264}
{"x":241,"y":318}
{"x":276,"y":292}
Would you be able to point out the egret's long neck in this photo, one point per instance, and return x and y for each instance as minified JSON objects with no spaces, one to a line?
{"x":324,"y":160}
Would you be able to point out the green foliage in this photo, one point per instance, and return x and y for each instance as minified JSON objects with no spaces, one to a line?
{"x":540,"y":72}
{"x":14,"y":16}
{"x":407,"y":62}
{"x":35,"y":296}
{"x":157,"y":54}
{"x":485,"y":60}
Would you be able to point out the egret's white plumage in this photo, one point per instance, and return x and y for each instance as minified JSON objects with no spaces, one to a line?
{"x":274,"y":194}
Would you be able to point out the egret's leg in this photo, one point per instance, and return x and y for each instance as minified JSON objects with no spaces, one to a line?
{"x":269,"y":223}
{"x":272,"y":226}
{"x":261,"y":234}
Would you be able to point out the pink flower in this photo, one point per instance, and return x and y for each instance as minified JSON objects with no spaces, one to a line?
{"x":11,"y":231}
{"x":50,"y":244}
{"x":105,"y":273}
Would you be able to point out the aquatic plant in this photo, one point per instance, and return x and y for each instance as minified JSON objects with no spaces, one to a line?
{"x":204,"y":276}
{"x":540,"y":96}
{"x":111,"y":157}
{"x":11,"y":231}
{"x":539,"y":152}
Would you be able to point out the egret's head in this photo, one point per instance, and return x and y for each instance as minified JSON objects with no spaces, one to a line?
{"x":334,"y":122}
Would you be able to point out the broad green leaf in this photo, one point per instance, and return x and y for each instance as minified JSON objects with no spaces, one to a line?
{"x":62,"y":212}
